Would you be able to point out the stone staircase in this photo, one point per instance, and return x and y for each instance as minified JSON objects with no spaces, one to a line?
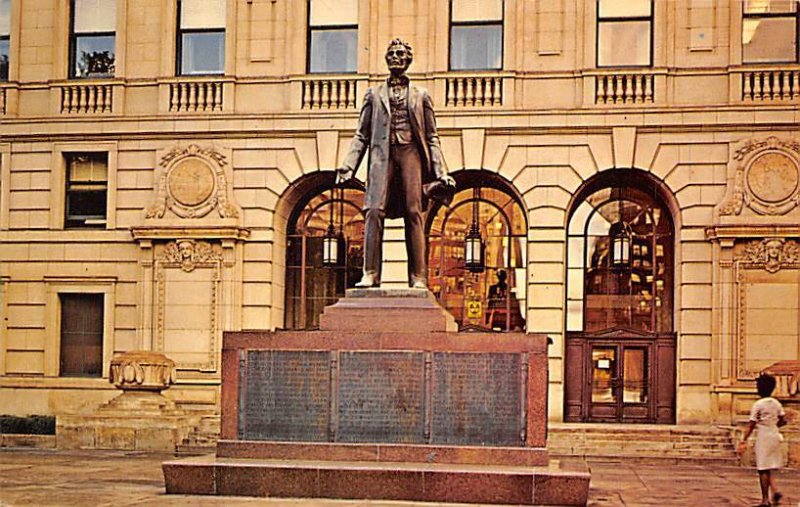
{"x":643,"y":443}
{"x":203,"y":439}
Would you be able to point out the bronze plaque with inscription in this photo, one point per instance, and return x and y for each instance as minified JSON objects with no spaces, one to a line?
{"x":381,"y":397}
{"x":477,"y":399}
{"x":286,"y":396}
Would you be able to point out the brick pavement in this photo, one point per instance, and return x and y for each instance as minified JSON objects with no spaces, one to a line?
{"x":119,"y":479}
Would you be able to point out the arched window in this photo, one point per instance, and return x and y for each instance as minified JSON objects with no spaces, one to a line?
{"x":620,"y":348}
{"x":495,"y":297}
{"x":620,"y":263}
{"x":310,"y":285}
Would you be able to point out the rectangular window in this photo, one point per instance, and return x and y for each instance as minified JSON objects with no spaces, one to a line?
{"x":87,"y":189}
{"x":624,"y":33}
{"x":332,"y":36}
{"x":5,"y":32}
{"x":769,"y":31}
{"x":92,"y":38}
{"x":476,"y":34}
{"x":201,"y":37}
{"x":81,"y":335}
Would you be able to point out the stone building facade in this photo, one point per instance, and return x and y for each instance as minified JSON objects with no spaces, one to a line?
{"x":633,"y":169}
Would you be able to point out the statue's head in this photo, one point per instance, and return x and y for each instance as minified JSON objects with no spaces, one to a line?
{"x":398,"y":56}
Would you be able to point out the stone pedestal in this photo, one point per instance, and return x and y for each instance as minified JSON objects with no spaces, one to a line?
{"x":140,"y":418}
{"x":385,"y":401}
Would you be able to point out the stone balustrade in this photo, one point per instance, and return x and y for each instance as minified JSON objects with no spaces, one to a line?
{"x":87,"y":98}
{"x":328,"y":93}
{"x":624,"y":88}
{"x":767,"y":85}
{"x":196,"y":96}
{"x":474,"y":91}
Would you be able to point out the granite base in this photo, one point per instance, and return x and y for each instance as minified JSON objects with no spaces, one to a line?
{"x":560,"y":483}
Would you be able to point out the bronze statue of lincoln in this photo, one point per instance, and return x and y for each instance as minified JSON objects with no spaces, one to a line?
{"x":398,"y":126}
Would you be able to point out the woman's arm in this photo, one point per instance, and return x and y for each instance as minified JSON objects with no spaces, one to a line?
{"x":743,"y":443}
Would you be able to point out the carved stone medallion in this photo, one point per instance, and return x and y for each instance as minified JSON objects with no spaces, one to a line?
{"x":772,"y":177}
{"x":191,"y":182}
{"x":766,"y":177}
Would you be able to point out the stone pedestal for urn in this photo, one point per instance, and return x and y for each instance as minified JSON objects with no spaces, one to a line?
{"x":140,"y":418}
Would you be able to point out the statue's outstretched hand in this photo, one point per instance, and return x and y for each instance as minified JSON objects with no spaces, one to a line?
{"x":343,"y":175}
{"x":448,"y":180}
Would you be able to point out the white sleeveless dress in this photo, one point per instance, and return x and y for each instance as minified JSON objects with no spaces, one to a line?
{"x":765,"y":414}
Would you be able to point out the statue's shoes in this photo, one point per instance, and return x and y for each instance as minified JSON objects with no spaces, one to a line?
{"x":368,"y":280}
{"x":418,"y":284}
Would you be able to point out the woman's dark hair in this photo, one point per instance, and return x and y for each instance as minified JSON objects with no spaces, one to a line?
{"x":765,"y":385}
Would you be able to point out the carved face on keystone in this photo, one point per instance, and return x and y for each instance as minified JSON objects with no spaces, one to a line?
{"x":398,"y":57}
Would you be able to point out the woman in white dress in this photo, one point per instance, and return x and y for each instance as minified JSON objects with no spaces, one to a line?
{"x":767,"y":415}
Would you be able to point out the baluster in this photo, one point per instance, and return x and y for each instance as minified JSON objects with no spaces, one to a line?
{"x":91,"y":99}
{"x":83,"y":104}
{"x":498,"y":91}
{"x":747,"y":88}
{"x":448,"y":92}
{"x":317,"y":100}
{"x":489,"y":91}
{"x":795,"y":84}
{"x":183,"y":97}
{"x":648,"y":88}
{"x":599,"y":90}
{"x":102,"y":93}
{"x":65,"y":100}
{"x":192,"y":96}
{"x":469,"y":95}
{"x":218,"y":96}
{"x":202,"y":104}
{"x":758,"y":85}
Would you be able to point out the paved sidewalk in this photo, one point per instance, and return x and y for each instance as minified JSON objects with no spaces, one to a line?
{"x":118,"y":479}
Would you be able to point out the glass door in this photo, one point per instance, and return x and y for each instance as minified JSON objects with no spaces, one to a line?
{"x":619,"y":383}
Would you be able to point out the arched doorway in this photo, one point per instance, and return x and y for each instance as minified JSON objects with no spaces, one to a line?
{"x":310,"y":285}
{"x":620,"y":353}
{"x":493,"y":298}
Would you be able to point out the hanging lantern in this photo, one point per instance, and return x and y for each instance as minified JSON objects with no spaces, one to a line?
{"x":473,"y":250}
{"x":620,"y":236}
{"x":473,"y":242}
{"x":330,"y":247}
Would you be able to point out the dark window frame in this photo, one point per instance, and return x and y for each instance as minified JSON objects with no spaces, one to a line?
{"x":775,"y":15}
{"x":79,"y":221}
{"x":622,"y":19}
{"x":95,"y":368}
{"x":179,"y":32}
{"x":501,"y":23}
{"x":324,"y":28}
{"x":73,"y":47}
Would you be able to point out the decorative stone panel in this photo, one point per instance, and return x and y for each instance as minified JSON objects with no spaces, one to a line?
{"x":193,"y":183}
{"x":765,"y":177}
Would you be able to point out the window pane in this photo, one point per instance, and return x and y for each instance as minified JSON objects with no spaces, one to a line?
{"x":333,"y":12}
{"x":3,"y":59}
{"x":623,"y":43}
{"x":85,"y":204}
{"x":95,"y":16}
{"x":203,"y":53}
{"x":623,"y":8}
{"x":81,"y":335}
{"x":94,"y":56}
{"x":477,"y":10}
{"x":476,"y":47}
{"x":202,"y":14}
{"x":88,"y":168}
{"x":5,"y":17}
{"x":768,"y":40}
{"x":772,"y":6}
{"x":333,"y":50}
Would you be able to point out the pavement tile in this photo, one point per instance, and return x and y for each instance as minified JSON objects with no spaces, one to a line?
{"x":122,"y":479}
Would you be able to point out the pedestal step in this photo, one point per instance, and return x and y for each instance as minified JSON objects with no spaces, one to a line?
{"x":387,"y":310}
{"x":560,"y":483}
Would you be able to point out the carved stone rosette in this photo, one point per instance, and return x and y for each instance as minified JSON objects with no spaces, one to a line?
{"x":766,"y":178}
{"x":142,"y":371}
{"x":192,"y":184}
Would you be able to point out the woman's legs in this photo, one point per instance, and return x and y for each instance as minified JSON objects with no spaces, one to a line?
{"x":776,"y":496}
{"x":764,"y":479}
